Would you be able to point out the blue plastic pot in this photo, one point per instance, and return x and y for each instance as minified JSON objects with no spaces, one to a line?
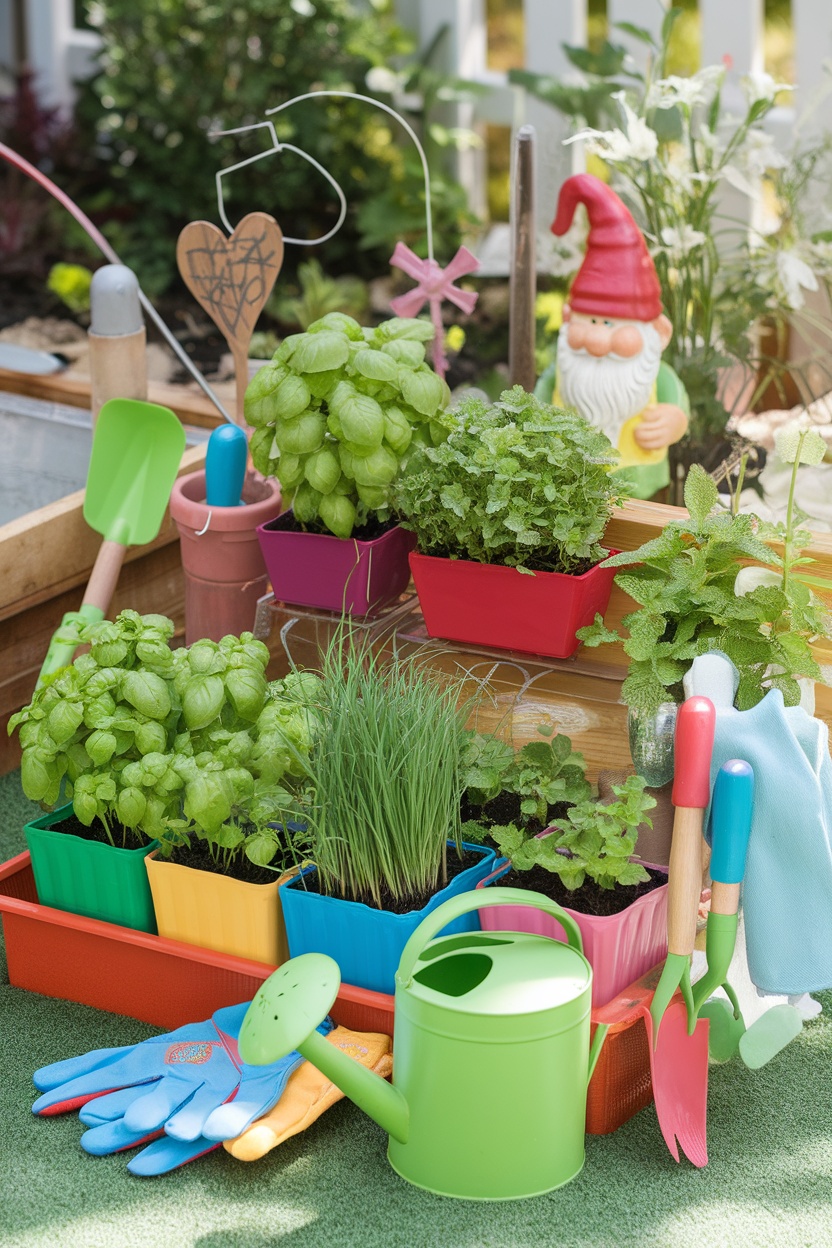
{"x":366,"y":943}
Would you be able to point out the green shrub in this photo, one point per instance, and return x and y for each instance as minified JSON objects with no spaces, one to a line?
{"x":174,"y":70}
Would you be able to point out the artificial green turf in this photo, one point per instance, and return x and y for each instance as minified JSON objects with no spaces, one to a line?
{"x":769,"y":1181}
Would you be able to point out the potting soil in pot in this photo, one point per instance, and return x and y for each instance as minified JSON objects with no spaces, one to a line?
{"x":369,"y":532}
{"x":590,"y":898}
{"x":198,"y":855}
{"x":415,"y":901}
{"x":123,"y":838}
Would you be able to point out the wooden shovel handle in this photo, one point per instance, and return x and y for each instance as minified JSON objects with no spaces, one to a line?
{"x":104,"y":576}
{"x":684,"y":880}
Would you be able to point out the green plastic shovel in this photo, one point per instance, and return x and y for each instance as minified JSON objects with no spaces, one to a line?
{"x":136,"y":452}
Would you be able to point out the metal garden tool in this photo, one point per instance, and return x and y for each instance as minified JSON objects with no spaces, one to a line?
{"x":475,"y":1014}
{"x":691,"y":794}
{"x":136,"y":451}
{"x":678,"y":1066}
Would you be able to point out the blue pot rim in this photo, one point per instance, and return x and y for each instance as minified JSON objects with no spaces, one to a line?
{"x":294,"y":884}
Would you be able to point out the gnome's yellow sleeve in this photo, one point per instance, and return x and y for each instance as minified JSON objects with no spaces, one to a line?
{"x":309,"y":1093}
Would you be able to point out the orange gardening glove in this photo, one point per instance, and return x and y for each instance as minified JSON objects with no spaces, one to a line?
{"x":309,"y":1093}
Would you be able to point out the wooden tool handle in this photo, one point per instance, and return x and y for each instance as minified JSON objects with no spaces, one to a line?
{"x":118,"y":368}
{"x":725,"y":898}
{"x":239,"y":353}
{"x":684,"y":880}
{"x":104,"y":575}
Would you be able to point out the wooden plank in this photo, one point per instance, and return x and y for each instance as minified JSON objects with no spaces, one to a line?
{"x":52,"y":550}
{"x":191,"y":408}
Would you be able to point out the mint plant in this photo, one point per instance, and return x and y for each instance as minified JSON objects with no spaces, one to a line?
{"x":594,"y":841}
{"x":514,"y":482}
{"x":335,"y":414}
{"x":689,"y":585}
{"x":540,"y":774}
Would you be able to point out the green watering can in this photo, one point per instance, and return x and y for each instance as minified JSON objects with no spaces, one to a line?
{"x":492,"y":1053}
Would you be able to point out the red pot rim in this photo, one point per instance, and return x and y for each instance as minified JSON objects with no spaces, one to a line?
{"x":500,"y":569}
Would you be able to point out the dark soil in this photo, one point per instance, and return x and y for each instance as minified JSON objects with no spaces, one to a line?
{"x":402,"y":905}
{"x":534,"y":565}
{"x":369,"y":532}
{"x":589,"y":898}
{"x":198,"y":855}
{"x":505,"y":808}
{"x":124,"y":838}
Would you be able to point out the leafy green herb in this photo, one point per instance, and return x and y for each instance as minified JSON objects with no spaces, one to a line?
{"x":594,"y":841}
{"x":385,"y":776}
{"x":689,"y":583}
{"x":171,"y":743}
{"x":515,"y":482}
{"x":335,"y":414}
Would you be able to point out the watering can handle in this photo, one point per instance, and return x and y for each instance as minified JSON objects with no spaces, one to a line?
{"x":464,"y":903}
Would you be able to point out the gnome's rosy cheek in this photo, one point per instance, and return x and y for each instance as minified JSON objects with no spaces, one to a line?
{"x":626,"y":341}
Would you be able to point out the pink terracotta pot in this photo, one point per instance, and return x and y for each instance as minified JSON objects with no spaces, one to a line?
{"x":224,"y":569}
{"x":619,"y":947}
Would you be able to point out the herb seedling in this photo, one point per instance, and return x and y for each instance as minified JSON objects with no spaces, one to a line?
{"x":515,"y":482}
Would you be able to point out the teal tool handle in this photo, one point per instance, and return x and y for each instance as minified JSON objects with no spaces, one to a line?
{"x":60,"y":653}
{"x":225,"y":466}
{"x":464,"y":903}
{"x":731,"y":821}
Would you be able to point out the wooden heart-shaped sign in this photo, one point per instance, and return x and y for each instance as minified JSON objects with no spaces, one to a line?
{"x":231,"y":278}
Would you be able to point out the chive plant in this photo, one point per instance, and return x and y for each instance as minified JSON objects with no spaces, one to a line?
{"x":386,"y":777}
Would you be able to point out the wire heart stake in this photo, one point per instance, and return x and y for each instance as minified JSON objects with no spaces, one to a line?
{"x":231,"y":279}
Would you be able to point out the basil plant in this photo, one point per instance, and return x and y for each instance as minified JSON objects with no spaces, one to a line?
{"x":169,"y":743}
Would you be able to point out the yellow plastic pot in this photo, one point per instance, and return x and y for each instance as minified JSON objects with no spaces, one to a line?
{"x":218,"y":912}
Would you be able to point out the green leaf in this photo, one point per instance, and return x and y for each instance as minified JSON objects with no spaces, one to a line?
{"x":805,"y":446}
{"x":701,"y":494}
{"x":636,"y":32}
{"x":361,"y":417}
{"x":316,"y":352}
{"x":423,"y":390}
{"x":376,"y":365}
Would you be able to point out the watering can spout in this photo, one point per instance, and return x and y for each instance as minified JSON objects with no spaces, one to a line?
{"x":384,"y":1103}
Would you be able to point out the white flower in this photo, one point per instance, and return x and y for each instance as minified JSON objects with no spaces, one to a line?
{"x":679,"y":243}
{"x":760,"y":154}
{"x":761,"y":86}
{"x":638,"y":143}
{"x":795,"y":277}
{"x":697,"y":89}
{"x":738,"y":180}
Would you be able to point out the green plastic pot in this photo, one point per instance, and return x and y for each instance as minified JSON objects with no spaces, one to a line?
{"x":493,"y":1053}
{"x":90,"y":878}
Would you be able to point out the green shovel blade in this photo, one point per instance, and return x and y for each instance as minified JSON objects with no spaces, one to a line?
{"x":136,"y":452}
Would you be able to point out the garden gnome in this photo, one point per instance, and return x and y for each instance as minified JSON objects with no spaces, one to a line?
{"x":609,"y":365}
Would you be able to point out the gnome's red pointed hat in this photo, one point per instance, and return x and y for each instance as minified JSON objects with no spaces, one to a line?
{"x":617,"y":277}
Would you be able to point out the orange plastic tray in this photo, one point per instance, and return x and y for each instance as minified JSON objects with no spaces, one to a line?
{"x":168,"y":983}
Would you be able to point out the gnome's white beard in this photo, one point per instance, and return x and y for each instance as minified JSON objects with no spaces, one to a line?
{"x":609,"y":389}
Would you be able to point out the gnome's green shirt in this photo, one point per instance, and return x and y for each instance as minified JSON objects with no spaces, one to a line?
{"x":641,"y":473}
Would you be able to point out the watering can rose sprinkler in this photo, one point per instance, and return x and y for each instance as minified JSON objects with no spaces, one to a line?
{"x":475,"y":1014}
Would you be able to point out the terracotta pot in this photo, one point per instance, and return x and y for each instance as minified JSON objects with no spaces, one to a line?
{"x":224,"y":569}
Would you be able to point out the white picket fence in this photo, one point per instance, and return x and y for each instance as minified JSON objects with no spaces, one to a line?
{"x":732,"y":28}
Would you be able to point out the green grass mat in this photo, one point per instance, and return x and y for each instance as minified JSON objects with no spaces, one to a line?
{"x":769,"y":1181}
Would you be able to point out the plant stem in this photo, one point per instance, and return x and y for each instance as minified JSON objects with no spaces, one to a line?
{"x":787,"y":545}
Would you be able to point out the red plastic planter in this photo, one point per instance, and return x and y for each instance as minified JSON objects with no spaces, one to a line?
{"x":336,"y":573}
{"x":484,"y":604}
{"x":167,"y":984}
{"x":158,"y":981}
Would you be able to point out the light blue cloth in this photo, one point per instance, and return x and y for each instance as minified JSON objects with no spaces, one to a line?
{"x":787,"y":893}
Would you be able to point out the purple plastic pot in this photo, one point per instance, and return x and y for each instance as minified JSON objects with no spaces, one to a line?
{"x":336,"y":573}
{"x":619,"y":947}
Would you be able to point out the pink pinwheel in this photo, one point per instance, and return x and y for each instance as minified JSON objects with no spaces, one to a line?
{"x":434,"y":285}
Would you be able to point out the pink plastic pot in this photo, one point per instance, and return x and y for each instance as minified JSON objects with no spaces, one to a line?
{"x":618,"y":947}
{"x":336,"y":573}
{"x":224,"y":569}
{"x":486,"y":604}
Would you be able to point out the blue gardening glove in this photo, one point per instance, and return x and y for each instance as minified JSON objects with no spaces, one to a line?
{"x":177,"y":1083}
